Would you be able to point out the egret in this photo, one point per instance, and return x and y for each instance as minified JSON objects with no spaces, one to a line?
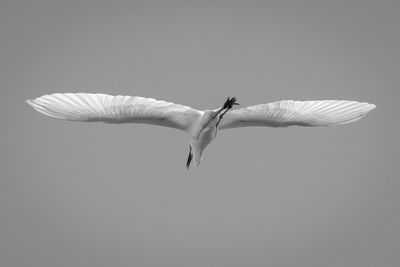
{"x":201,"y":126}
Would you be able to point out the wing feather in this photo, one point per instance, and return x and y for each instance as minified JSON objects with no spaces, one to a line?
{"x":115,"y":109}
{"x":301,"y":113}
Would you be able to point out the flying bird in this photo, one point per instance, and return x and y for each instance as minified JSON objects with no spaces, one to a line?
{"x":201,"y":126}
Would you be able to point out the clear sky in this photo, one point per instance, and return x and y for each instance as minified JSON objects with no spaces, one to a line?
{"x":76,"y":194}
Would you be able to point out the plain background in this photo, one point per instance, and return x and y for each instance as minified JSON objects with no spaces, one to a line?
{"x":76,"y":194}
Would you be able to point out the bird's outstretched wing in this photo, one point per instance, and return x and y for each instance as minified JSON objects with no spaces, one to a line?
{"x":115,"y":109}
{"x":302,"y":113}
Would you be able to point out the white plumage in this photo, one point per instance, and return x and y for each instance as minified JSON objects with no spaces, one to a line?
{"x":301,"y":113}
{"x":114,"y":109}
{"x":201,"y":126}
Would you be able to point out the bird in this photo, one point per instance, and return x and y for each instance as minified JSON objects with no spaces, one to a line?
{"x":201,"y":126}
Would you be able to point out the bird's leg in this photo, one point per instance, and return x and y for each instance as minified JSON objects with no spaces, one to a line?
{"x":228,"y":105}
{"x":222,"y":108}
{"x":221,"y":116}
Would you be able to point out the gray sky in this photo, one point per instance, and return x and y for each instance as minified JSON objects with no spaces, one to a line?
{"x":76,"y":194}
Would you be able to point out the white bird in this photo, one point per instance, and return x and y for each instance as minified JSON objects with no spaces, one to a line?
{"x":202,"y":126}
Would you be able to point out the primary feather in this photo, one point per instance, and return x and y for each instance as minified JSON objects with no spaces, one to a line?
{"x":115,"y":109}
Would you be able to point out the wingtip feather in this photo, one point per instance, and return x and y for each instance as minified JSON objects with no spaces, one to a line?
{"x":371,"y":106}
{"x":31,"y":102}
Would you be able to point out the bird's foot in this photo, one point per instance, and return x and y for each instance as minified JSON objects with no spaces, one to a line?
{"x":226,"y":107}
{"x":230,"y":102}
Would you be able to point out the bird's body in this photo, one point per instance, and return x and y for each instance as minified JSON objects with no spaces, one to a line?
{"x":202,"y":137}
{"x":201,"y":126}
